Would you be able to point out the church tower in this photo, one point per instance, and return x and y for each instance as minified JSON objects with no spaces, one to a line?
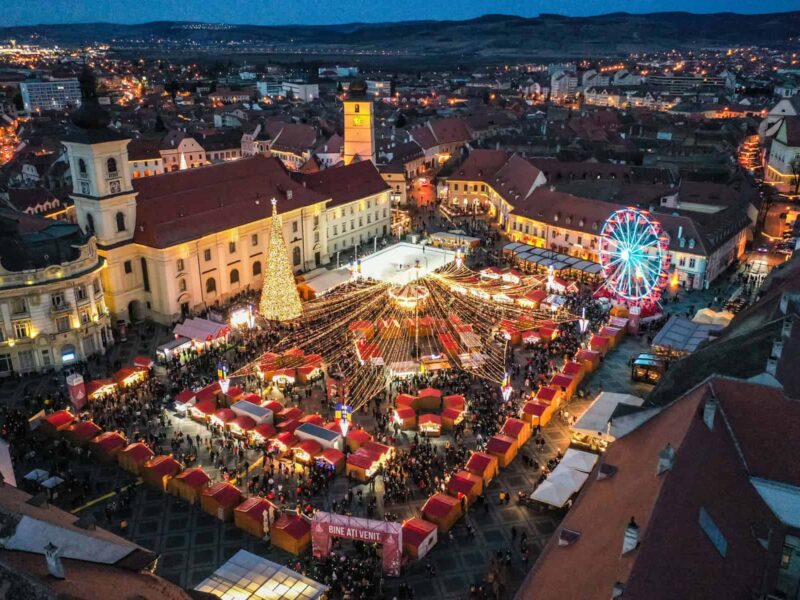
{"x":359,"y":124}
{"x":105,"y":202}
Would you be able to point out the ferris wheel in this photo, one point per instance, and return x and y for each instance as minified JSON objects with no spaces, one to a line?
{"x":634,"y":255}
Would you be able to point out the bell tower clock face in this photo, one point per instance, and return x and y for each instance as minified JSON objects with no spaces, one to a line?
{"x":114,"y":187}
{"x":84,"y":187}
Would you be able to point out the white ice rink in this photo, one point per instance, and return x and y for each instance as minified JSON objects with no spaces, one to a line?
{"x":396,"y":263}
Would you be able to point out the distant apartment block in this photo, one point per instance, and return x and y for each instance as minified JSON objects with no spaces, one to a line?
{"x":57,"y":94}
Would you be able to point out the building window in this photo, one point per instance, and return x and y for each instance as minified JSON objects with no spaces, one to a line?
{"x":682,"y":261}
{"x":18,"y":306}
{"x":296,"y":256}
{"x":80,"y":292}
{"x":234,"y":276}
{"x":85,"y":317}
{"x":335,"y":230}
{"x":182,"y":285}
{"x":111,"y":167}
{"x":145,"y":275}
{"x":128,"y":267}
{"x":47,"y":359}
{"x":211,"y":285}
{"x":207,"y":254}
{"x":120,"y":221}
{"x":89,"y":223}
{"x":294,"y":226}
{"x":22,"y":329}
{"x":180,"y":265}
{"x":254,"y":239}
{"x":96,"y":286}
{"x":5,"y":363}
{"x":692,"y":263}
{"x":256,"y":268}
{"x":57,"y":299}
{"x":232,"y":247}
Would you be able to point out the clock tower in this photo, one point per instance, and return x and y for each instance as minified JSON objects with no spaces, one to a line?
{"x":359,"y":127}
{"x":105,"y":202}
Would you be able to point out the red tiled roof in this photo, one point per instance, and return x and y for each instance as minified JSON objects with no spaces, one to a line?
{"x":186,"y":205}
{"x":345,"y":184}
{"x":194,"y":477}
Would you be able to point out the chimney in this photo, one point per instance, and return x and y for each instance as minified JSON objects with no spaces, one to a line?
{"x":709,"y":412}
{"x":54,"y":566}
{"x":631,"y":540}
{"x":665,"y":459}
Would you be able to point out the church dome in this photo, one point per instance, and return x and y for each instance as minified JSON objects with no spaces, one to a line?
{"x":357,"y":89}
{"x":90,"y":115}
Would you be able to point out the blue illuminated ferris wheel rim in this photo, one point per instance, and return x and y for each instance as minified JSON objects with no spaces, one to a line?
{"x":634,"y":255}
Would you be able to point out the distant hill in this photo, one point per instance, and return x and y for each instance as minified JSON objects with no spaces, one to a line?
{"x":487,"y":36}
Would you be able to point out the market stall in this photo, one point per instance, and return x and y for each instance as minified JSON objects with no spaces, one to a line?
{"x":97,"y":388}
{"x":579,"y":460}
{"x":565,"y":384}
{"x":548,"y":395}
{"x":451,"y":417}
{"x":57,"y":422}
{"x":332,"y":459}
{"x":128,"y":376}
{"x":184,"y":400}
{"x":442,"y":510}
{"x":283,"y":443}
{"x":222,"y":417}
{"x":132,"y":457}
{"x":590,"y":359}
{"x":537,"y":413}
{"x":361,"y":465}
{"x":324,"y":437}
{"x":464,"y":484}
{"x":430,"y":425}
{"x":306,"y":451}
{"x":249,"y":516}
{"x":82,"y":432}
{"x":203,"y":411}
{"x":428,"y":399}
{"x":291,"y":533}
{"x":517,"y":429}
{"x":483,"y":465}
{"x":220,"y":500}
{"x":614,"y":335}
{"x":600,"y":344}
{"x":189,"y":484}
{"x":405,"y":417}
{"x":419,"y":537}
{"x":157,"y":471}
{"x":263,"y":432}
{"x":241,"y":426}
{"x":502,"y":447}
{"x":105,"y":446}
{"x":357,"y":438}
{"x":574,"y":369}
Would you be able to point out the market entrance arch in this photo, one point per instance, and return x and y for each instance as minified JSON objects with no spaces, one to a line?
{"x":326,"y":526}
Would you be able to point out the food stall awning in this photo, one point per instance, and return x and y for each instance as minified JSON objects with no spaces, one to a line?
{"x":555,"y":493}
{"x":579,"y":460}
{"x":595,"y":419}
{"x":201,"y":330}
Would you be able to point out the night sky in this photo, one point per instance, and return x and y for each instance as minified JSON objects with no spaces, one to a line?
{"x":282,"y":12}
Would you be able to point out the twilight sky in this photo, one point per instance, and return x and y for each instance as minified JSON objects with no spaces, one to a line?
{"x":282,"y":12}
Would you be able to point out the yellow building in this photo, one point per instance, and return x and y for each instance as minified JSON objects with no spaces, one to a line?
{"x":359,"y":126}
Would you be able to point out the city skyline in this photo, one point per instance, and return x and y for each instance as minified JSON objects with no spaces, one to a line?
{"x":326,"y":12}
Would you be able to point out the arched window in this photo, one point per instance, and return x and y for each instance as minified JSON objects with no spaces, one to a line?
{"x":211,"y":285}
{"x":296,"y":256}
{"x":234,"y":276}
{"x":120,"y":222}
{"x":357,"y":108}
{"x":82,"y":167}
{"x":256,"y":268}
{"x":111,"y":167}
{"x":182,"y":285}
{"x":89,"y":223}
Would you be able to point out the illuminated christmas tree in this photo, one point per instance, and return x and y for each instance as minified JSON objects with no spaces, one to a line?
{"x":279,"y":298}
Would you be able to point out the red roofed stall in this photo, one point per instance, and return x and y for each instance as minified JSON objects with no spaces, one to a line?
{"x":419,"y":537}
{"x":442,"y":510}
{"x":249,"y":516}
{"x":82,"y":432}
{"x":132,"y":457}
{"x":357,"y":438}
{"x":483,"y":465}
{"x":105,"y":446}
{"x":537,"y":413}
{"x":306,"y":451}
{"x":405,"y":417}
{"x":517,"y":429}
{"x":291,"y":533}
{"x":504,"y":448}
{"x":189,"y":484}
{"x":220,"y":500}
{"x":590,"y":359}
{"x":465,"y":484}
{"x":430,"y":425}
{"x":334,"y":459}
{"x":157,"y":471}
{"x":57,"y":422}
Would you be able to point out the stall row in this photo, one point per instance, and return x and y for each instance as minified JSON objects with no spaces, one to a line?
{"x":429,"y":411}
